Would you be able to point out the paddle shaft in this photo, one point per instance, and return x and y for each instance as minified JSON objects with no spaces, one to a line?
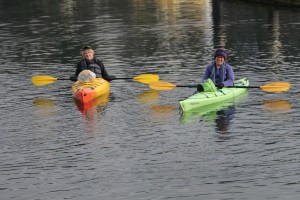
{"x":63,"y":79}
{"x":45,"y":79}
{"x":243,"y":86}
{"x":188,"y":86}
{"x":194,"y":86}
{"x":113,"y":79}
{"x":238,"y":86}
{"x":127,"y":78}
{"x":271,"y":87}
{"x":123,"y":78}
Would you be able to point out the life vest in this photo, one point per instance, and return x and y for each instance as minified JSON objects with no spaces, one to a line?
{"x":92,"y":66}
{"x":222,"y":73}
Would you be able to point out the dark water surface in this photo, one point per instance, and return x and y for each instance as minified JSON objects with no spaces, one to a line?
{"x":137,"y":144}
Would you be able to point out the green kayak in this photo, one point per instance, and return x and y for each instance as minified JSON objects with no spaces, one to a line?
{"x":202,"y":99}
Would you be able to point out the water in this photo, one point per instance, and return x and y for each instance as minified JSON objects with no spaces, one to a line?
{"x":137,"y":144}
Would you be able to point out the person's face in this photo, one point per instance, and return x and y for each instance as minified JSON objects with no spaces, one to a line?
{"x":88,"y":54}
{"x":219,"y":60}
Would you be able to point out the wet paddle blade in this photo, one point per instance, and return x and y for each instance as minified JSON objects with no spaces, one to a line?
{"x":146,"y":78}
{"x":276,"y":87}
{"x":160,"y":85}
{"x":42,"y":80}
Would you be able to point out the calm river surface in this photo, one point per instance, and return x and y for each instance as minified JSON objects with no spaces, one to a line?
{"x":137,"y":144}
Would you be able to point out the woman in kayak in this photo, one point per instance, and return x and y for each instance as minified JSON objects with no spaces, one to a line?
{"x":220,"y":72}
{"x":91,"y":63}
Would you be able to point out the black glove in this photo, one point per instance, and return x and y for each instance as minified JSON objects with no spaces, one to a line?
{"x":110,"y":78}
{"x":73,"y":78}
{"x":200,"y":88}
{"x":219,"y":85}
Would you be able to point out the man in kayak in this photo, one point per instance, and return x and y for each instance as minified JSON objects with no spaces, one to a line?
{"x":91,"y":63}
{"x":219,"y":73}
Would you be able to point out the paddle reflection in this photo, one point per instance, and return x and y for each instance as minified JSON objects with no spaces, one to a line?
{"x":162,"y":114}
{"x":277,"y":105}
{"x":44,"y":107}
{"x":40,"y":103}
{"x":149,"y":96}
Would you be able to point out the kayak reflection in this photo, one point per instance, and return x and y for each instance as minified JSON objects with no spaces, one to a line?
{"x":220,"y":113}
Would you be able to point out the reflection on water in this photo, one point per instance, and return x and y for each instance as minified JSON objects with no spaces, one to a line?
{"x":44,"y":107}
{"x":277,"y":105}
{"x":149,"y":96}
{"x":92,"y":113}
{"x":39,"y":103}
{"x":223,"y":119}
{"x":221,"y":114}
{"x":162,"y":114}
{"x":209,"y":112}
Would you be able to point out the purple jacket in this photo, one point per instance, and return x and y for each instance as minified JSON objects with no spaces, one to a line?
{"x":223,"y":75}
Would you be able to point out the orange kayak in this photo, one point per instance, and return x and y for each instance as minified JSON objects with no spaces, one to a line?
{"x":86,"y":92}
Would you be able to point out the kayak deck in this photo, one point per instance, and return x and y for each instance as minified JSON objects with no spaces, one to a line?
{"x":85,"y":92}
{"x":200,"y":99}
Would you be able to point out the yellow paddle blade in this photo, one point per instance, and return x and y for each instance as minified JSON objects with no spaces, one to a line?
{"x":160,"y":85}
{"x":42,"y":80}
{"x":276,"y":87}
{"x":146,"y":78}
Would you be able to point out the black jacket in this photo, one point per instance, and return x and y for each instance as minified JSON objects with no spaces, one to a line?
{"x":95,"y":66}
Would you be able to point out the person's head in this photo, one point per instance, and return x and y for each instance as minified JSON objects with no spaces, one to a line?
{"x":87,"y":53}
{"x":220,"y":56}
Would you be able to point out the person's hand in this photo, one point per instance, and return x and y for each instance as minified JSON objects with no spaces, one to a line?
{"x":73,"y":78}
{"x":219,"y":85}
{"x":200,"y":88}
{"x":110,"y":78}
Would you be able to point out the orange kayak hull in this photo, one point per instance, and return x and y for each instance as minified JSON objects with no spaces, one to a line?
{"x":86,"y":92}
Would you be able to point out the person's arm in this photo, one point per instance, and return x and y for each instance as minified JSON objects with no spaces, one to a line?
{"x":229,"y":79}
{"x":207,"y":74}
{"x":78,"y":70}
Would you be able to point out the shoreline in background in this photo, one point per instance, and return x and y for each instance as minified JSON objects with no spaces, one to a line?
{"x":278,"y":2}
